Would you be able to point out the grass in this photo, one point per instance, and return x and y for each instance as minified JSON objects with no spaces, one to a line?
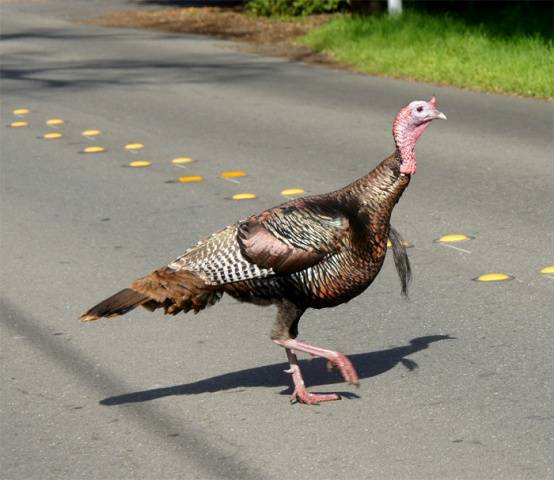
{"x":440,"y":49}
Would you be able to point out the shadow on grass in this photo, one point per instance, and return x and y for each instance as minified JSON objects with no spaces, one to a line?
{"x":367,"y":364}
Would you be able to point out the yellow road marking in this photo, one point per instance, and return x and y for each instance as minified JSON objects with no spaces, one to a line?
{"x":52,"y":136}
{"x":233,"y":174}
{"x":21,"y":111}
{"x":243,"y":196}
{"x":494,"y":277}
{"x":90,"y":133}
{"x":454,"y":237}
{"x":190,"y":179}
{"x":406,"y":243}
{"x":52,"y":122}
{"x":19,"y":124}
{"x":140,"y":163}
{"x":290,"y":192}
{"x":134,"y":146}
{"x":95,"y":149}
{"x":548,"y":270}
{"x":181,"y":160}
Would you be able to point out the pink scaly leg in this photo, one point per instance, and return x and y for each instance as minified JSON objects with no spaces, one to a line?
{"x":336,"y":359}
{"x":300,"y":393}
{"x":285,"y":327}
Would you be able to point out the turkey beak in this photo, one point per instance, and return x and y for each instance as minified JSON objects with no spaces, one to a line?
{"x":440,"y":115}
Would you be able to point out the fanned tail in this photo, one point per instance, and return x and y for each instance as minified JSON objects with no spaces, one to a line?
{"x":401,"y":260}
{"x":118,"y":304}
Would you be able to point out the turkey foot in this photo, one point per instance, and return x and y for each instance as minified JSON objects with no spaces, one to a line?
{"x":335,"y":359}
{"x":300,"y":393}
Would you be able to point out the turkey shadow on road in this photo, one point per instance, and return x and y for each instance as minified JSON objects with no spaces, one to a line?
{"x":367,"y":364}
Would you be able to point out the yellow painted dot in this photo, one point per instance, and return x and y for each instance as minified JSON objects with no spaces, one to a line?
{"x":19,"y":124}
{"x":453,"y":238}
{"x":243,"y":196}
{"x":140,"y":163}
{"x":181,"y":160}
{"x":406,"y":243}
{"x":290,"y":192}
{"x":90,"y":133}
{"x":52,"y":136}
{"x":548,"y":270}
{"x":191,"y":179}
{"x":95,"y":149}
{"x":233,"y":174}
{"x":53,"y":122}
{"x":494,"y":277}
{"x":134,"y":146}
{"x":21,"y":111}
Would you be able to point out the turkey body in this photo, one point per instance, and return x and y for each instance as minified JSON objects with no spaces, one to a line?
{"x":312,"y":252}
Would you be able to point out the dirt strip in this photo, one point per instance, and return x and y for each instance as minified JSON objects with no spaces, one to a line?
{"x":257,"y":34}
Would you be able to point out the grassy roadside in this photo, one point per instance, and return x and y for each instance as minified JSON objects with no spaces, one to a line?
{"x":439,"y":49}
{"x":430,"y":48}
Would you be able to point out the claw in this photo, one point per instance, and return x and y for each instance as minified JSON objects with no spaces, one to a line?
{"x":301,"y":395}
{"x":345,"y":367}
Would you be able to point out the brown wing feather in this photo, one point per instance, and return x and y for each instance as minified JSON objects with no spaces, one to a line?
{"x":259,"y":246}
{"x":293,"y":236}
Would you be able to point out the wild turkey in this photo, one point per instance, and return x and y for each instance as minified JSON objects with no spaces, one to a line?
{"x":312,"y":252}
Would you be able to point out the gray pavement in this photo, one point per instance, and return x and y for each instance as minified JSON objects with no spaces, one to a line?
{"x":456,"y":383}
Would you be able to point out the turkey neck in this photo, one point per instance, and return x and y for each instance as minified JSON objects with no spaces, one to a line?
{"x":380,"y":189}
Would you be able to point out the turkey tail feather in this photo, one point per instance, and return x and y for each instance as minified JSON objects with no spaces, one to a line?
{"x":401,"y":260}
{"x":118,"y":304}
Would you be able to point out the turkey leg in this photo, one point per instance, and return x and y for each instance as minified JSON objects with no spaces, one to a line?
{"x":300,"y":393}
{"x":284,"y":332}
{"x":336,"y":359}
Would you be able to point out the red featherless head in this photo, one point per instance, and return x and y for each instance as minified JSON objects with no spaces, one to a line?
{"x":408,"y":126}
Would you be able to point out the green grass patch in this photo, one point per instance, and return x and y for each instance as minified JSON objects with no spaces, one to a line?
{"x":440,"y":49}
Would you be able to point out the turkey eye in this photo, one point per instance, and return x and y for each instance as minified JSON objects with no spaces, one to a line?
{"x":419,"y":109}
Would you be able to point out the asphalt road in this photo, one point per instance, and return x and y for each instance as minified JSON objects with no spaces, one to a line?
{"x":456,"y":383}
